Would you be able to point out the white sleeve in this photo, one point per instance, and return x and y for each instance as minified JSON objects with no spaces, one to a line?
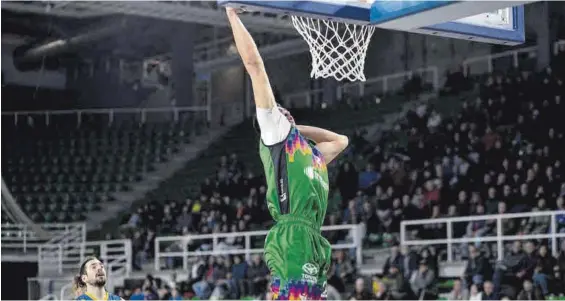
{"x":273,"y":125}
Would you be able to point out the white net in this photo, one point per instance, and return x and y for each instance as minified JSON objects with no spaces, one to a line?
{"x":338,"y":49}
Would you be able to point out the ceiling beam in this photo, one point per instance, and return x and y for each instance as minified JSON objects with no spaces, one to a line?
{"x":185,"y":12}
{"x":63,"y":45}
{"x":48,"y":8}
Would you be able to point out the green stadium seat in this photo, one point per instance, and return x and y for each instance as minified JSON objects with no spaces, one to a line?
{"x":61,"y":172}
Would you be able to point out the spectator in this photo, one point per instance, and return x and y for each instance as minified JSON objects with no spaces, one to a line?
{"x":510,"y":270}
{"x":410,"y":262}
{"x":360,"y":292}
{"x":478,"y":268}
{"x":175,"y":295}
{"x":238,"y":272}
{"x":475,"y":229}
{"x":423,"y":282}
{"x":488,"y":292}
{"x":340,"y":272}
{"x":531,"y":260}
{"x":434,"y":120}
{"x":257,"y":273}
{"x":474,"y":293}
{"x":529,"y":292}
{"x":137,"y":294}
{"x":396,"y":284}
{"x":347,"y":181}
{"x":368,"y":177}
{"x":382,"y":293}
{"x":458,"y":292}
{"x":543,"y":272}
{"x":135,"y":219}
{"x":395,"y":259}
{"x":184,"y":220}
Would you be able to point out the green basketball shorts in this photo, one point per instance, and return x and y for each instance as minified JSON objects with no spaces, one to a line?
{"x":299,"y":258}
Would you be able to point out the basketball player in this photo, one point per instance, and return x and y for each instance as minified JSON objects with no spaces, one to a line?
{"x":91,"y":280}
{"x":297,"y":178}
{"x":78,"y":287}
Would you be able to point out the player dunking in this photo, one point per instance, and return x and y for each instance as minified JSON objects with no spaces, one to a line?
{"x":297,"y":179}
{"x":90,"y":281}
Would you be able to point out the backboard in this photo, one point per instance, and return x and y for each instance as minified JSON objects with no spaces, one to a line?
{"x":498,"y":22}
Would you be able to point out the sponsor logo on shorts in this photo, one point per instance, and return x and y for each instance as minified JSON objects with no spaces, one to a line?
{"x":310,"y":269}
{"x":310,"y":273}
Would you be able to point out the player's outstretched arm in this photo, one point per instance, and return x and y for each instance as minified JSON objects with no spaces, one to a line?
{"x":329,"y":143}
{"x":252,"y":61}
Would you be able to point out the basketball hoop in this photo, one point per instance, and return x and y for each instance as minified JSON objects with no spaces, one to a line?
{"x":338,"y":49}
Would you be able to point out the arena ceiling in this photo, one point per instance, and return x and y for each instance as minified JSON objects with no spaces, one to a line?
{"x":130,"y":29}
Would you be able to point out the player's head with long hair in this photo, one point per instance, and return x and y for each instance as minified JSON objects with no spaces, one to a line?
{"x":91,"y":273}
{"x":79,"y":287}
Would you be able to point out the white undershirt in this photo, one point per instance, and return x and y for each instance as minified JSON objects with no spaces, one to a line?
{"x":273,"y":125}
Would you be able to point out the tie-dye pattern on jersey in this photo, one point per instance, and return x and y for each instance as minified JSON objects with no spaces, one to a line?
{"x":295,"y":143}
{"x":318,"y":161}
{"x":296,"y":290}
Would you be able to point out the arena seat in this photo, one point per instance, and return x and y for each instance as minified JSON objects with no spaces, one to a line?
{"x":61,"y":171}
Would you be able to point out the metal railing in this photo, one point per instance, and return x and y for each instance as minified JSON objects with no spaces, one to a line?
{"x":375,"y":85}
{"x":181,"y":244}
{"x":141,"y":114}
{"x":389,"y":83}
{"x":514,"y":55}
{"x":20,"y":238}
{"x":495,"y":229}
{"x":489,"y":60}
{"x":66,"y":257}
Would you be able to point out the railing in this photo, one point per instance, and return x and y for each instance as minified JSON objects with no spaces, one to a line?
{"x":303,"y":98}
{"x":142,"y":114}
{"x":514,"y":55}
{"x":181,"y":243}
{"x":388,"y":83}
{"x":497,"y":224}
{"x":489,"y":60}
{"x":66,"y":292}
{"x":63,"y":258}
{"x":70,"y":241}
{"x":41,"y":288}
{"x":49,"y":297}
{"x":376,"y":85}
{"x":20,"y":238}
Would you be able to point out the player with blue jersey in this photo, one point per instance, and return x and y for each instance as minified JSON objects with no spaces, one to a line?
{"x":91,"y":281}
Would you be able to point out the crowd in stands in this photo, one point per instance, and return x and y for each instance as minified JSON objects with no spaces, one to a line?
{"x":501,"y":152}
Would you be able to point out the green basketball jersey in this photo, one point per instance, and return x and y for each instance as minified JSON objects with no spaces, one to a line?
{"x":297,"y":178}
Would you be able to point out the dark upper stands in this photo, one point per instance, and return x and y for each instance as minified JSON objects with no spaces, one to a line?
{"x":61,"y":171}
